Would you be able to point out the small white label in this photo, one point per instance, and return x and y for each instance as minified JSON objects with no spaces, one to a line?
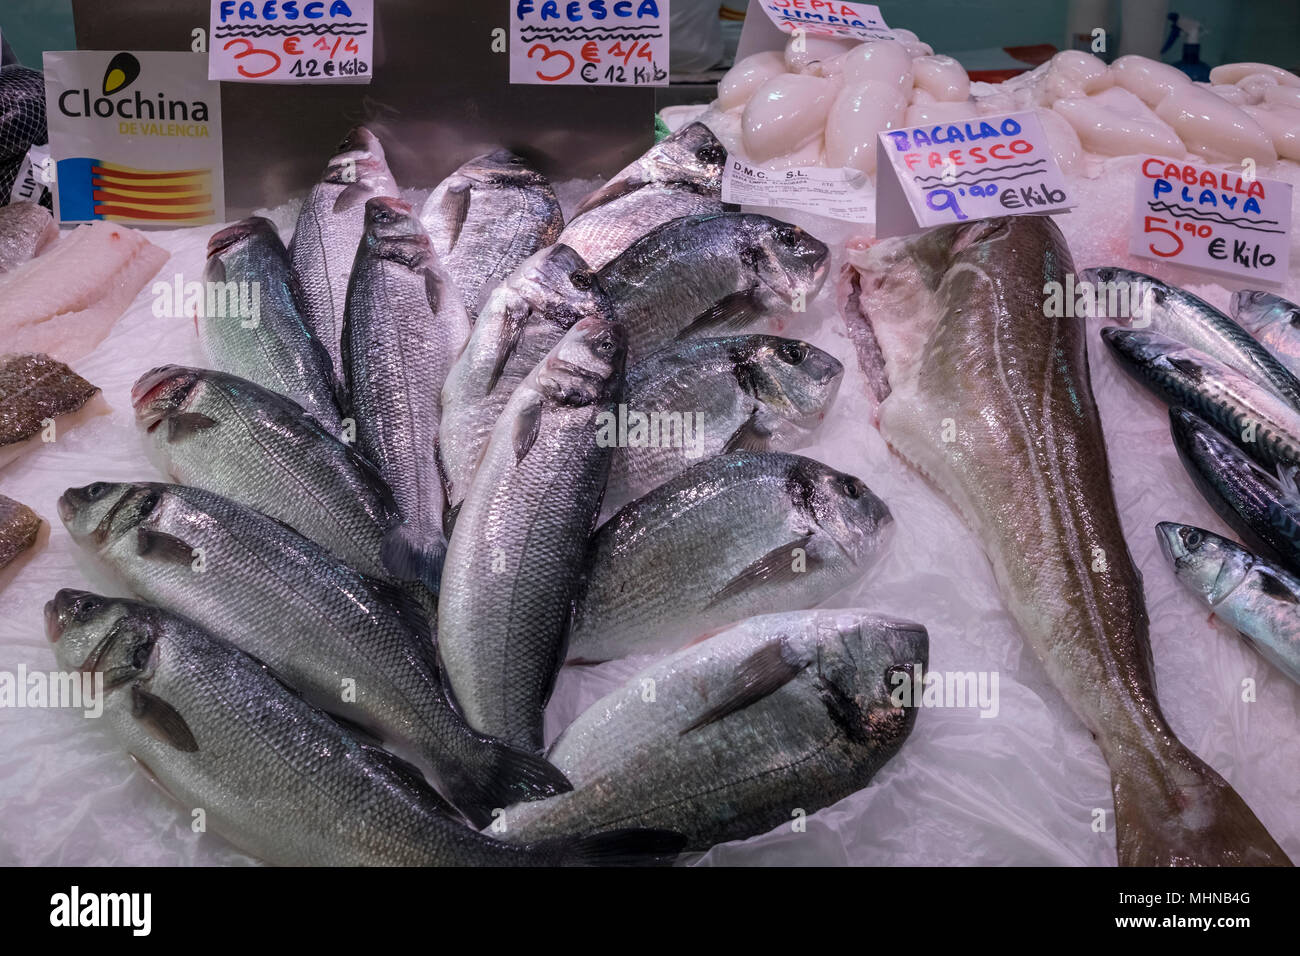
{"x":1212,"y":219}
{"x":844,"y":194}
{"x":35,"y":176}
{"x":851,"y":21}
{"x":307,"y":41}
{"x":589,"y":42}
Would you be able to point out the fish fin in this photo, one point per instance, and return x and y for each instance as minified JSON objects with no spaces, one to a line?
{"x":1187,"y":367}
{"x":449,"y":516}
{"x":1286,"y":479}
{"x":607,"y":194}
{"x":766,"y":670}
{"x":773,"y":567}
{"x":407,"y":774}
{"x":153,"y":777}
{"x":409,"y":556}
{"x":162,"y":546}
{"x":1271,"y":586}
{"x":161,"y":720}
{"x":732,"y":313}
{"x":501,"y":776}
{"x":455,"y":210}
{"x":512,"y":328}
{"x":527,"y":428}
{"x":184,"y":424}
{"x":750,"y":436}
{"x":433,"y":288}
{"x":613,"y":848}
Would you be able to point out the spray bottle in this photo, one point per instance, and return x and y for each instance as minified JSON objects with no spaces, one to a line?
{"x":1191,"y":33}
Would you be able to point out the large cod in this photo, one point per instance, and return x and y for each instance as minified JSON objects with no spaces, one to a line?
{"x":990,"y":399}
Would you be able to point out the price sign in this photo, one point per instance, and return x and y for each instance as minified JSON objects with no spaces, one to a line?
{"x":292,"y":41}
{"x":589,"y":42}
{"x":848,"y":21}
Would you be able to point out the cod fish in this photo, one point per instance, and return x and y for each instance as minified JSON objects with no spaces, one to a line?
{"x":355,"y":646}
{"x":405,"y":324}
{"x":1274,"y":321}
{"x":256,"y":330}
{"x":1264,"y":511}
{"x":780,"y":711}
{"x":26,"y":230}
{"x":486,"y":218}
{"x":1261,"y":423}
{"x":278,"y":778}
{"x":35,"y":389}
{"x":19,"y":528}
{"x":525,"y":317}
{"x":681,"y":176}
{"x":742,"y":393}
{"x":955,"y":319}
{"x":743,"y":534}
{"x":254,"y":446}
{"x":65,"y":301}
{"x":1260,"y":601}
{"x":1192,"y":321}
{"x":703,"y":274}
{"x":516,"y":556}
{"x":329,"y":230}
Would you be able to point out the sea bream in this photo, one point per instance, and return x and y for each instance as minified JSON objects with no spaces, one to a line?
{"x":784,"y":711}
{"x":329,"y":230}
{"x":681,"y":176}
{"x":1273,"y":320}
{"x":989,"y":397}
{"x":486,"y":218}
{"x":281,"y":780}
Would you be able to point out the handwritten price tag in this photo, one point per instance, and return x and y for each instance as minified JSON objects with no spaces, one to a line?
{"x":1211,"y":219}
{"x":849,"y":21}
{"x":589,"y":42}
{"x":292,"y":41}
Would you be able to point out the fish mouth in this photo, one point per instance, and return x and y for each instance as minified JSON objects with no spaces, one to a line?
{"x":1170,"y":537}
{"x":66,"y":506}
{"x":159,"y":392}
{"x":60,"y":610}
{"x":387,"y":209}
{"x":358,"y":140}
{"x":223,"y":239}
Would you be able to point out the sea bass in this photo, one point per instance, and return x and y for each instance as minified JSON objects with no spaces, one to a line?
{"x":354,"y":645}
{"x":954,"y":318}
{"x":257,"y":330}
{"x":786,"y":710}
{"x":524,"y":318}
{"x":486,"y":218}
{"x":705,"y":275}
{"x":1274,"y":321}
{"x":277,"y":777}
{"x":329,"y":231}
{"x":516,"y":555}
{"x":730,"y":537}
{"x":1261,"y":601}
{"x":405,"y":324}
{"x":26,"y":230}
{"x":36,"y":390}
{"x":703,"y":397}
{"x":681,"y":176}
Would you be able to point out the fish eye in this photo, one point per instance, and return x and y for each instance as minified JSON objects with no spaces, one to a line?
{"x":788,"y":236}
{"x":793,"y":353}
{"x":140,"y":656}
{"x":852,"y":487}
{"x":712,"y":154}
{"x":1194,"y":539}
{"x":96,"y":490}
{"x":148,"y":503}
{"x":582,"y":279}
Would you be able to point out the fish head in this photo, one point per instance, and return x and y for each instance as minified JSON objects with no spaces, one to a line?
{"x":361,"y":167}
{"x":241,"y":243}
{"x":1258,"y":310}
{"x":796,"y":380}
{"x":1205,"y":563}
{"x":561,"y":288}
{"x":1122,"y":294}
{"x":586,"y":366}
{"x":501,"y":167}
{"x":692,"y":154}
{"x":788,"y":261}
{"x":100,"y":513}
{"x":394,"y":232}
{"x":162,"y":392}
{"x":94,"y":634}
{"x":838,"y":504}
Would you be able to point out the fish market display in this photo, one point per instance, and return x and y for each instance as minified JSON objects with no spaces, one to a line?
{"x":681,"y":176}
{"x":1261,"y":601}
{"x":703,"y":275}
{"x":702,"y":397}
{"x":35,"y":389}
{"x":743,"y":534}
{"x":953,"y":320}
{"x":781,"y":711}
{"x":1264,"y":511}
{"x":19,"y":528}
{"x":1263,"y":425}
{"x":524,"y":318}
{"x":486,"y":218}
{"x":65,"y":301}
{"x":405,"y":324}
{"x":1182,"y":316}
{"x":227,"y":435}
{"x":352,"y":644}
{"x":329,"y":230}
{"x":1273,"y":321}
{"x":275,"y":776}
{"x":257,"y":331}
{"x":22,"y":120}
{"x":26,"y":230}
{"x":517,"y":551}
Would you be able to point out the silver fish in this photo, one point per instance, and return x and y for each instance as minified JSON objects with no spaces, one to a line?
{"x":516,"y":554}
{"x":278,"y":778}
{"x":988,"y":396}
{"x":405,"y":325}
{"x":486,"y":218}
{"x":256,"y":330}
{"x":26,"y":230}
{"x":1274,"y":321}
{"x":704,"y":397}
{"x":723,"y":739}
{"x":329,"y":230}
{"x":681,"y":176}
{"x":728,"y":538}
{"x":355,"y":646}
{"x":1261,"y":601}
{"x":705,"y":275}
{"x":525,"y":317}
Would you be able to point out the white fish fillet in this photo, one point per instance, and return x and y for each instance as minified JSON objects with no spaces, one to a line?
{"x":26,"y":230}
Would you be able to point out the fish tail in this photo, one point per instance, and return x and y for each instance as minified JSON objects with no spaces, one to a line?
{"x":628,"y":847}
{"x":498,"y":776}
{"x":409,"y":555}
{"x":1185,"y":814}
